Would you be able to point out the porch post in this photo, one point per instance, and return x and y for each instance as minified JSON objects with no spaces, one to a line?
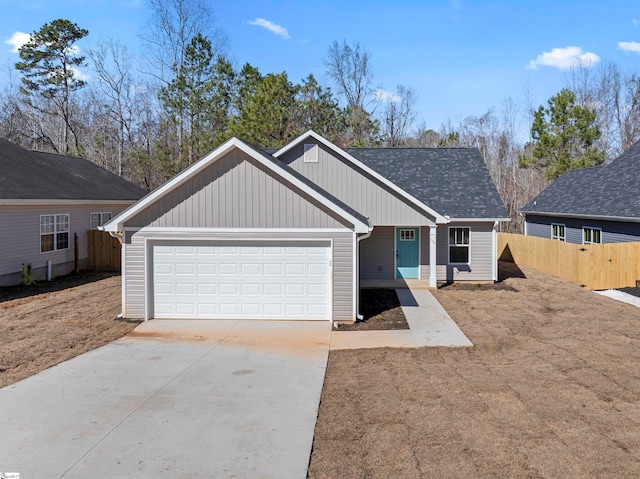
{"x":432,"y":256}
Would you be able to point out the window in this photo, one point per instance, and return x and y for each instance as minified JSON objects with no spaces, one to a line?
{"x":54,"y":232}
{"x":99,"y":219}
{"x":558,"y":232}
{"x":407,"y":235}
{"x":591,"y":236}
{"x":310,"y":153}
{"x":458,"y":245}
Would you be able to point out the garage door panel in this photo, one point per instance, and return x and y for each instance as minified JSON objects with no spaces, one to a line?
{"x":258,"y":281}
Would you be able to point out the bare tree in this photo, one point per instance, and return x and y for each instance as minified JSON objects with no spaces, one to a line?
{"x":172,"y":26}
{"x":349,"y":67}
{"x":114,"y":93}
{"x":398,"y":116}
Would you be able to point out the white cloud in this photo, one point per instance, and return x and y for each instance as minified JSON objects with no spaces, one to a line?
{"x":564,"y":59}
{"x":456,"y":4}
{"x":386,"y":96}
{"x":272,"y":27}
{"x":635,"y":22}
{"x":17,"y":40}
{"x":629,"y":46}
{"x":77,"y":74}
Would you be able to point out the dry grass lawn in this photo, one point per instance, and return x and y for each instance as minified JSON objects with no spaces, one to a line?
{"x":550,"y":390}
{"x":44,"y":325}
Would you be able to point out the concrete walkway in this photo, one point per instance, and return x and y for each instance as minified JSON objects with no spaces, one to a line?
{"x":185,"y":399}
{"x":429,"y":325}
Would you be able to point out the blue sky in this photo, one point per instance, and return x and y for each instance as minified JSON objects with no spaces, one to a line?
{"x":462,"y":57}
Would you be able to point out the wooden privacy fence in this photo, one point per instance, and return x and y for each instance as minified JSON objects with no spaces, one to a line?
{"x":103,"y":251}
{"x":597,"y":266}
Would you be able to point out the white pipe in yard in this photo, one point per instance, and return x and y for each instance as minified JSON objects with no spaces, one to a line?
{"x":48,"y":270}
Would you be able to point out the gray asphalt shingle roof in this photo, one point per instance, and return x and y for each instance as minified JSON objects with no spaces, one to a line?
{"x":453,"y":181}
{"x":612,"y":190}
{"x":26,"y":174}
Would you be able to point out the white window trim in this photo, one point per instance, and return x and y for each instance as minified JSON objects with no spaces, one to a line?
{"x":101,"y":221}
{"x":310,"y":153}
{"x":55,"y":232}
{"x":408,"y":230}
{"x":557,"y":237}
{"x":584,"y":228}
{"x":449,"y":245}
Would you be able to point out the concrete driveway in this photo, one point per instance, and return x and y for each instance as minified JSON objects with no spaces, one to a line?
{"x":187,"y":399}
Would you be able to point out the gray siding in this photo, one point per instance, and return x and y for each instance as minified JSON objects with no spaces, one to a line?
{"x":377,"y":254}
{"x":133,"y":277}
{"x":480,"y":261}
{"x":356,"y":188}
{"x":236,"y":192}
{"x":342,"y":288}
{"x":20,"y":237}
{"x":612,"y":231}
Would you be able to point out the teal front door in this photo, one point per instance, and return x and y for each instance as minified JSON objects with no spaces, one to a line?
{"x":407,"y":252}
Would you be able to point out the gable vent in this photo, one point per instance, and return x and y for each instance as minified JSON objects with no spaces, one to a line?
{"x":310,"y":153}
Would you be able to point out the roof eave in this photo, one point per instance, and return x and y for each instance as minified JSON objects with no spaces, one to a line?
{"x":629,"y":219}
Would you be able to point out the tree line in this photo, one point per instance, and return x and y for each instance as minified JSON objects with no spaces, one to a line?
{"x":148,"y":119}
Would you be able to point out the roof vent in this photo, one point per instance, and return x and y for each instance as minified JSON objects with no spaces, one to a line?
{"x":310,"y":153}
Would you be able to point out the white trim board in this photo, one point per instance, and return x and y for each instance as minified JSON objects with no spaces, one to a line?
{"x":117,"y":223}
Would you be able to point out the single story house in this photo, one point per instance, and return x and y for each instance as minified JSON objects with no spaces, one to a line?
{"x":590,"y":205}
{"x":45,"y":200}
{"x":290,"y":234}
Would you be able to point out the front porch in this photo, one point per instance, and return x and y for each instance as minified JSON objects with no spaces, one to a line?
{"x":395,"y":283}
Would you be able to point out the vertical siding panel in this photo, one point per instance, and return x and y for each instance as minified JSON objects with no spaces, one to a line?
{"x":353,"y":188}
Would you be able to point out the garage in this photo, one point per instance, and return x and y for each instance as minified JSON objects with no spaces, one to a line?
{"x":242,"y":280}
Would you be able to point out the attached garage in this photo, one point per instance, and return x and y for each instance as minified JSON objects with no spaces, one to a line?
{"x":242,"y":280}
{"x":239,"y":235}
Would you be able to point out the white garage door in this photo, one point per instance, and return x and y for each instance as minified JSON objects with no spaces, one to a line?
{"x":257,"y":280}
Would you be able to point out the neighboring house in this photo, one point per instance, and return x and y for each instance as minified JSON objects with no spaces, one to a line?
{"x":290,"y":234}
{"x":45,"y":200}
{"x":591,"y":205}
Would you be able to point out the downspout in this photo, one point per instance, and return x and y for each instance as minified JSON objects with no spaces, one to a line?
{"x":359,"y":315}
{"x":494,"y":240}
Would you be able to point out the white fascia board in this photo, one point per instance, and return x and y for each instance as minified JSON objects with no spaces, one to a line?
{"x":47,"y":202}
{"x":626,"y":219}
{"x":477,"y":220}
{"x":117,"y":223}
{"x":439,"y":219}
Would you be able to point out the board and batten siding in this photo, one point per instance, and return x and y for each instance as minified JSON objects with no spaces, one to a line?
{"x":612,"y":231}
{"x":20,"y":237}
{"x":137,"y":257}
{"x":357,"y":189}
{"x":236,"y":191}
{"x":481,"y":254}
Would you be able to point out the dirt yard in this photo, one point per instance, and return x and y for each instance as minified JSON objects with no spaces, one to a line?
{"x":550,"y":390}
{"x":380,"y":310}
{"x":43,"y":325}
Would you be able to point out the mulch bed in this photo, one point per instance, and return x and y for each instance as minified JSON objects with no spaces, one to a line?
{"x":381,"y":311}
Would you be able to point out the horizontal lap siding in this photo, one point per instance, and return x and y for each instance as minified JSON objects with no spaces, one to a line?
{"x":612,"y":231}
{"x":355,"y":188}
{"x":481,"y":256}
{"x":20,"y":234}
{"x":377,"y":254}
{"x":342,"y":264}
{"x":134,"y":275}
{"x":237,"y":192}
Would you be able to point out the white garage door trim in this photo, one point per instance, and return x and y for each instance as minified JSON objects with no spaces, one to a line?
{"x":239,"y":273}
